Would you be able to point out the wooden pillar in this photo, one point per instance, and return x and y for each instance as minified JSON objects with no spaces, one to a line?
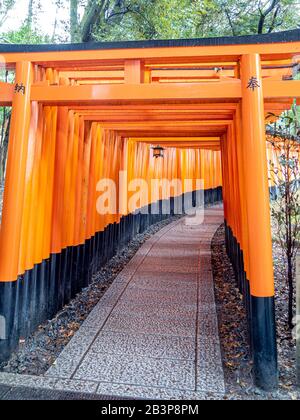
{"x":244,"y":240}
{"x":13,"y":207}
{"x":15,"y":174}
{"x":134,"y":72}
{"x":259,"y":226}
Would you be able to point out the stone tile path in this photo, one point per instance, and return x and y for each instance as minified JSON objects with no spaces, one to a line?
{"x":24,"y":394}
{"x":155,"y":333}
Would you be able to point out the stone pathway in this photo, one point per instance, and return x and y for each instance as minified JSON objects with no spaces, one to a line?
{"x":154,"y":334}
{"x":35,"y":394}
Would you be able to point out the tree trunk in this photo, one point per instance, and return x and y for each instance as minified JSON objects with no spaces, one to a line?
{"x":74,"y":23}
{"x":264,"y":15}
{"x":91,"y":16}
{"x":289,"y":239}
{"x":29,"y":19}
{"x":291,"y":292}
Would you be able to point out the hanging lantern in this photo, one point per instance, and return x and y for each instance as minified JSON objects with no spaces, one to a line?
{"x":158,"y":152}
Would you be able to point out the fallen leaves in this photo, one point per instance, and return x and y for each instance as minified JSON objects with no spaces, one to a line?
{"x":233,"y":330}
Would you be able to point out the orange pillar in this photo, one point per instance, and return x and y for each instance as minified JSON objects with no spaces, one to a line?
{"x":259,"y":225}
{"x":16,"y":174}
{"x":134,"y":71}
{"x":244,"y":241}
{"x":13,"y":207}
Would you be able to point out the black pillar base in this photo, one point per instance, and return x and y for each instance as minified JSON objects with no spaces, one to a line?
{"x":264,"y":343}
{"x":261,"y":320}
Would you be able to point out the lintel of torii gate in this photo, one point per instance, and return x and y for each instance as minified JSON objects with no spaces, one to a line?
{"x":100,"y":94}
{"x":219,"y":91}
{"x":178,"y":71}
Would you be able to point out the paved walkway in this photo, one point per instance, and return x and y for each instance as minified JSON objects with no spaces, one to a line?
{"x":154,"y":334}
{"x":12,"y":393}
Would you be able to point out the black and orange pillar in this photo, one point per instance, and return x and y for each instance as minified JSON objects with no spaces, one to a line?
{"x":260,"y":270}
{"x":13,"y":205}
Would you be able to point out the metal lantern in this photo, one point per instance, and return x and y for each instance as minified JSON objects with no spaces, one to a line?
{"x":158,"y":152}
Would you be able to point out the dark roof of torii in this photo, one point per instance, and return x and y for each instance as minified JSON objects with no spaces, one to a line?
{"x":277,"y":37}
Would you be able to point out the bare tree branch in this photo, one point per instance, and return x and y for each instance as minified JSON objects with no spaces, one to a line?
{"x":231,"y":24}
{"x":264,"y":15}
{"x":273,"y":23}
{"x":5,"y":8}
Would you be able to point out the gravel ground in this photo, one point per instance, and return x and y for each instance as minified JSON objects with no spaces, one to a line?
{"x":233,"y":331}
{"x":39,"y":352}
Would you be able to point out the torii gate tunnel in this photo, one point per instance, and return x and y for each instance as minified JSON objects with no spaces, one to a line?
{"x":82,"y":113}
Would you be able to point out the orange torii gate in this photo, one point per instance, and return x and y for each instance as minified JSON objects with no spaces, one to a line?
{"x":86,"y":112}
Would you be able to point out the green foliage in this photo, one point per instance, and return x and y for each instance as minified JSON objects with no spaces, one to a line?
{"x":29,"y":31}
{"x":5,"y":7}
{"x":153,"y":19}
{"x":25,"y":35}
{"x":245,"y":17}
{"x":168,"y":19}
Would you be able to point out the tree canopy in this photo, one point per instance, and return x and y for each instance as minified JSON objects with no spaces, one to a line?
{"x":96,"y":20}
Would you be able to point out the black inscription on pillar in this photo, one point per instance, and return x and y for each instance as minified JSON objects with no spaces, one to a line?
{"x":253,"y":83}
{"x":20,"y":88}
